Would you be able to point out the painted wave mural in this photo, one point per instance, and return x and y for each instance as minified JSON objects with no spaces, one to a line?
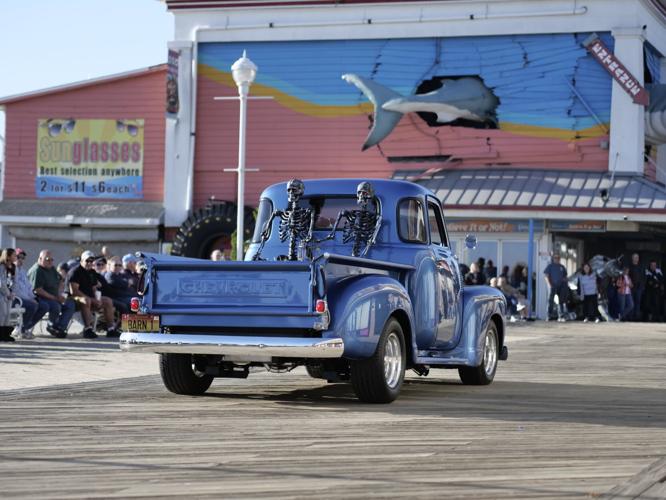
{"x":547,"y":103}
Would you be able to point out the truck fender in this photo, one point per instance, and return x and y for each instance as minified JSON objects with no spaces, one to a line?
{"x":481,"y":304}
{"x":360,"y":306}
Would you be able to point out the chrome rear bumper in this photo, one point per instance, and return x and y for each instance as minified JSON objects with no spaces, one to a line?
{"x":247,"y":348}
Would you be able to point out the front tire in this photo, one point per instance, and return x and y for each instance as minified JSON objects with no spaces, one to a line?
{"x":485,"y":372}
{"x":181,"y":376}
{"x":379,"y":378}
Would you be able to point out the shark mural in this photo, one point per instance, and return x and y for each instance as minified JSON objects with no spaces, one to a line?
{"x":464,"y":98}
{"x":404,"y":103}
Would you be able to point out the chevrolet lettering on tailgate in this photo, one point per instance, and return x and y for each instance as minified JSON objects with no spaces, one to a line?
{"x":227,"y":288}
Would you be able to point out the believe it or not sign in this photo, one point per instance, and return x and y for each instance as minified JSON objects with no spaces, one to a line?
{"x":578,"y":226}
{"x":89,"y":158}
{"x":492,"y":226}
{"x":620,"y":74}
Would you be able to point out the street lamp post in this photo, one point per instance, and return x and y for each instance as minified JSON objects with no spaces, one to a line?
{"x":244,"y":72}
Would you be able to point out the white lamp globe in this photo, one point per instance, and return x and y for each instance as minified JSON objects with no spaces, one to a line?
{"x":244,"y":71}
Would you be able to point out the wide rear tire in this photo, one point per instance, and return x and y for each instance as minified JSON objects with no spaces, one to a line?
{"x":180,"y":375}
{"x":379,"y":378}
{"x":485,"y":372}
{"x":315,"y":371}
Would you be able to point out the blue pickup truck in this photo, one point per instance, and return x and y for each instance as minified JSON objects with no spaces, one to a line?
{"x":353,"y":279}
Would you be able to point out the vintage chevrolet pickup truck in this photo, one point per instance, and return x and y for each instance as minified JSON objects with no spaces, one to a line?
{"x":353,"y":279}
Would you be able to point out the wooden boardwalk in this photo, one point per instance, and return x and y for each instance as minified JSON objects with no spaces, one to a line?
{"x":578,"y":411}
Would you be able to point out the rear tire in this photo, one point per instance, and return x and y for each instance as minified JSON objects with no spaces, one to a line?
{"x":315,"y":371}
{"x":485,"y":372}
{"x":379,"y":378}
{"x":180,"y":375}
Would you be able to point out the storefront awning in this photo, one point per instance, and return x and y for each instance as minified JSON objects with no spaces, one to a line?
{"x":544,"y":194}
{"x":83,"y":213}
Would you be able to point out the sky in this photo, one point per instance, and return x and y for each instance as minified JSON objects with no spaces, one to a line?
{"x":45,"y":43}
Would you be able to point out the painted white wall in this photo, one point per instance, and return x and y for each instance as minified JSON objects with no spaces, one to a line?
{"x":461,"y":18}
{"x":450,"y":19}
{"x":661,"y":150}
{"x":178,"y":169}
{"x":627,"y":136}
{"x":544,"y":245}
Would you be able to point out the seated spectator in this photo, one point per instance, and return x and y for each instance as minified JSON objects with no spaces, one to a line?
{"x":34,"y":311}
{"x":100,"y":265}
{"x":106,"y":252}
{"x":48,"y":286}
{"x":118,"y":287}
{"x":519,"y":278}
{"x":217,"y":255}
{"x":83,"y":287}
{"x":515,"y":300}
{"x":63,"y":269}
{"x":475,"y":276}
{"x":7,"y":259}
{"x":129,"y":271}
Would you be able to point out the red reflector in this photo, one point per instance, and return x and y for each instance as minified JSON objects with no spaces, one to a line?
{"x":135,"y":302}
{"x":321,"y":306}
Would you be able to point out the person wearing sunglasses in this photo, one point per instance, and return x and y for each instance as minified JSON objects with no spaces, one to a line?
{"x":49,"y":288}
{"x":34,"y":310}
{"x":85,"y":290}
{"x":119,"y":286}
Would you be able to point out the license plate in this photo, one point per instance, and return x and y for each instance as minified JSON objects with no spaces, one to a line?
{"x":140,"y":323}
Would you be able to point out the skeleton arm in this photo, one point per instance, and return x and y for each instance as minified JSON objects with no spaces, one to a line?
{"x":265,"y":232}
{"x":331,"y":235}
{"x":313,"y":218}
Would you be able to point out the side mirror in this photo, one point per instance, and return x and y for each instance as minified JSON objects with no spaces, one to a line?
{"x":470,"y":241}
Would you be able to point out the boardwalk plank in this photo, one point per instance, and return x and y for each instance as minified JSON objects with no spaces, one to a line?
{"x":575,"y":412}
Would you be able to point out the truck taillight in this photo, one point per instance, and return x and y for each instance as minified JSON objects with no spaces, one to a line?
{"x":321,"y":307}
{"x":135,"y":302}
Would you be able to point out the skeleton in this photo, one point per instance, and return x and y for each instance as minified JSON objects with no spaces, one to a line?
{"x":296,"y":223}
{"x":362,"y":225}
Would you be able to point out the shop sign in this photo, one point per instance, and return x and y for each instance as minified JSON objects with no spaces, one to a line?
{"x":81,"y":158}
{"x":492,"y":226}
{"x":172,"y":98}
{"x":620,"y":74}
{"x":578,"y":226}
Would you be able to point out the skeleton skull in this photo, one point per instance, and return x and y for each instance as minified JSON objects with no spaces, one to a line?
{"x":295,"y":189}
{"x":364,"y":193}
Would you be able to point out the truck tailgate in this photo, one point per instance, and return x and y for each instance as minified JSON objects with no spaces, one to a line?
{"x":192,"y":286}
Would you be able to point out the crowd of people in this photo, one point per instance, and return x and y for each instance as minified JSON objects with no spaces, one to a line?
{"x":511,"y":282}
{"x":92,"y":285}
{"x":632,"y":293}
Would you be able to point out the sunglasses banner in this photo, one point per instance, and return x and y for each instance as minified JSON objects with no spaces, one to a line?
{"x":81,"y":158}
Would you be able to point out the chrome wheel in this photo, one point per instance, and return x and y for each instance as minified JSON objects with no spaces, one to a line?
{"x":392,"y":360}
{"x":490,"y":353}
{"x":378,"y":379}
{"x":484,"y":373}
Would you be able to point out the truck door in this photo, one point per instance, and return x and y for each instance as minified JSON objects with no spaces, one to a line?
{"x":449,"y":287}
